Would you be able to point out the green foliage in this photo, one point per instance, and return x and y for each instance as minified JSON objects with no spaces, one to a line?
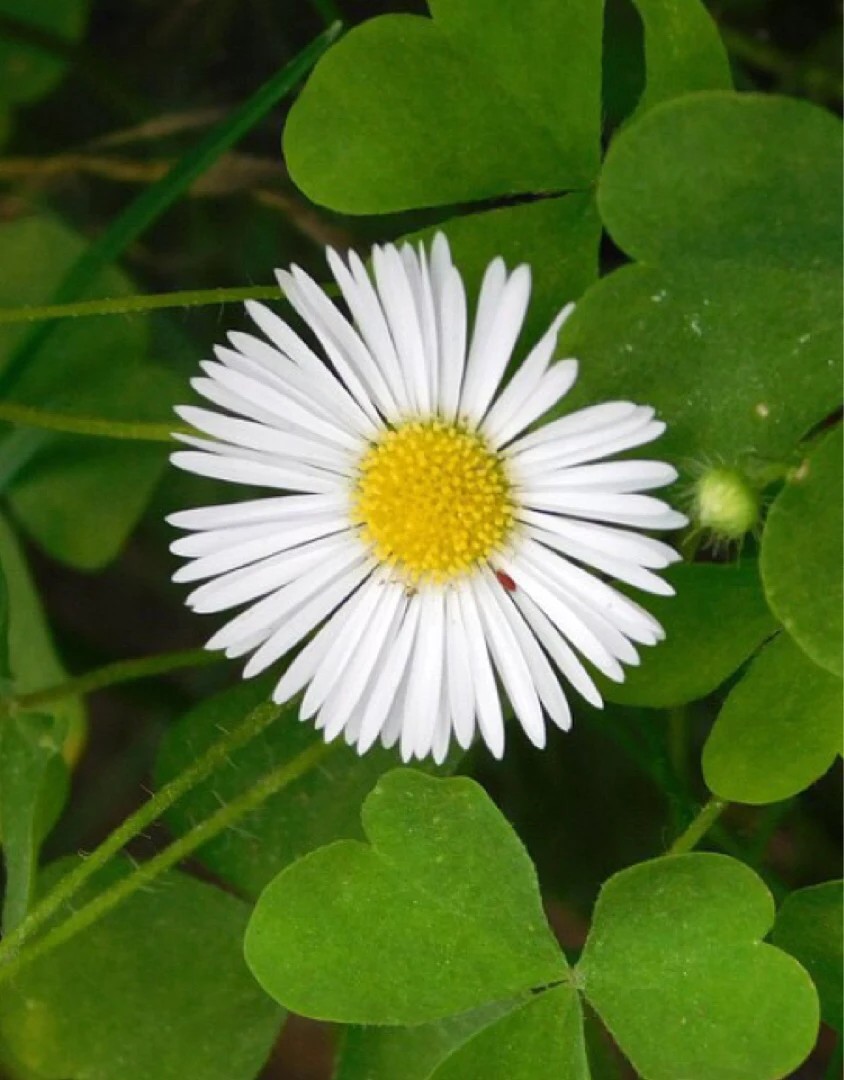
{"x":79,"y":498}
{"x":414,"y":909}
{"x":33,"y":771}
{"x":719,"y":177}
{"x":717,"y":618}
{"x":683,"y":51}
{"x":321,"y":806}
{"x":28,"y":72}
{"x":92,"y":1010}
{"x":443,"y":947}
{"x":809,"y":926}
{"x":33,"y":779}
{"x":561,"y":235}
{"x":537,"y":1036}
{"x":399,"y":114}
{"x":802,"y":555}
{"x":673,"y":964}
{"x":720,"y":222}
{"x":675,"y":967}
{"x":779,"y":729}
{"x":32,"y":658}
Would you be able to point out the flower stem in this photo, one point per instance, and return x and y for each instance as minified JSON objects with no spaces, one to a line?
{"x":27,"y":416}
{"x":120,"y":671}
{"x":222,"y":819}
{"x":212,"y":759}
{"x":126,"y":305}
{"x":159,"y":197}
{"x":699,"y":827}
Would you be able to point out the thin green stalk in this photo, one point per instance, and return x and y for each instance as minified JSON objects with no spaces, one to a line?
{"x":256,"y":722}
{"x":126,"y":305}
{"x":68,"y":424}
{"x":159,"y":197}
{"x":180,"y":849}
{"x":120,"y":671}
{"x":706,"y":818}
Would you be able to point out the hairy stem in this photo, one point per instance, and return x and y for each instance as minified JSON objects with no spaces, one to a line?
{"x":256,"y":722}
{"x":222,"y":819}
{"x":67,"y":423}
{"x":706,"y":818}
{"x":127,"y":305}
{"x":120,"y":671}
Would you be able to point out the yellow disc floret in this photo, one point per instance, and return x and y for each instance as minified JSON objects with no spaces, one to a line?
{"x":433,"y":498}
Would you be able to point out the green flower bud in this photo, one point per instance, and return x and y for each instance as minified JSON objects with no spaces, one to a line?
{"x":726,"y":503}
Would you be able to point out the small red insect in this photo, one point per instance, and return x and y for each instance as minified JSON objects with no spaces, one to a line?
{"x":506,"y":581}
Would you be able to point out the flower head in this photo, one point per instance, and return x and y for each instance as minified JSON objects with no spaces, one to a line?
{"x":431,"y":542}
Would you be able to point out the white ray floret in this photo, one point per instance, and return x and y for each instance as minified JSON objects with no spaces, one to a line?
{"x":433,"y":550}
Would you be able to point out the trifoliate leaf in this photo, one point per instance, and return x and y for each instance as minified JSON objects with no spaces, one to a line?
{"x":676,"y":968}
{"x":802,"y":555}
{"x":156,"y":988}
{"x":809,"y":927}
{"x":439,"y":913}
{"x":484,"y":99}
{"x":779,"y":729}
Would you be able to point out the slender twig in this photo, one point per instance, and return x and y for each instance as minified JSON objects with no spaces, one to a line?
{"x":180,"y":849}
{"x":67,"y":423}
{"x":157,"y":199}
{"x":216,"y":755}
{"x":688,"y":840}
{"x":120,"y":671}
{"x":126,"y":305}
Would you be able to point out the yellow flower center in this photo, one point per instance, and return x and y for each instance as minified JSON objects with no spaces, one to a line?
{"x":433,"y":498}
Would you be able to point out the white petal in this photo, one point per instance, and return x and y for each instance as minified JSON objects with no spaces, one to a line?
{"x":312,"y":305}
{"x":591,"y":419}
{"x":253,"y":436}
{"x":283,"y":406}
{"x":442,"y":731}
{"x":565,"y":618}
{"x":524,"y":382}
{"x":617,"y":477}
{"x":641,"y":511}
{"x":306,"y":618}
{"x":349,"y":693}
{"x":416,"y":268}
{"x":363,"y":302}
{"x":452,"y":343}
{"x":557,"y":648}
{"x":257,"y":474}
{"x":487,"y":703}
{"x":400,"y":310}
{"x":331,"y":671}
{"x":600,"y":598}
{"x":313,"y":370}
{"x":228,"y":549}
{"x":547,"y":686}
{"x":461,"y":696}
{"x":618,"y":543}
{"x":553,"y":386}
{"x":301,"y":670}
{"x":342,"y":343}
{"x":426,"y":668}
{"x":582,"y":449}
{"x":240,"y":586}
{"x":388,"y":677}
{"x":493,"y":342}
{"x":509,"y":661}
{"x":629,"y":572}
{"x":281,"y":509}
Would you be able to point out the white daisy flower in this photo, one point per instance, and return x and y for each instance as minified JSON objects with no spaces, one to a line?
{"x":437,"y":544}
